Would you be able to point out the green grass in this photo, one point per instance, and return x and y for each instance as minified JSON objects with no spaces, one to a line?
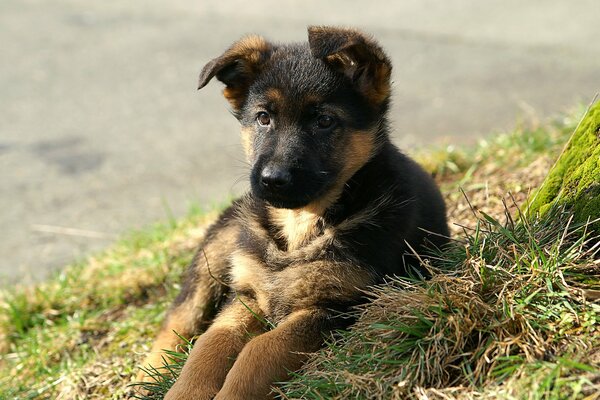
{"x":59,"y":336}
{"x":513,"y":312}
{"x":515,"y":149}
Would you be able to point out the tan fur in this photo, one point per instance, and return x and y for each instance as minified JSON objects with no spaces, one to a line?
{"x":183,"y":320}
{"x":247,"y":137}
{"x":250,"y":47}
{"x":268,"y":357}
{"x":166,"y":340}
{"x":234,"y":96}
{"x":265,"y":358}
{"x":309,"y":284}
{"x":300,"y":285}
{"x":249,"y":274}
{"x":381,"y":89}
{"x":243,"y":271}
{"x":215,"y":351}
{"x":296,"y":288}
{"x":274,"y":95}
{"x":355,"y":50}
{"x":357,"y":153}
{"x":250,"y":52}
{"x":297,"y":227}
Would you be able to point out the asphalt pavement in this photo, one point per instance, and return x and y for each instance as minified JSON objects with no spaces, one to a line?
{"x":102,"y":129}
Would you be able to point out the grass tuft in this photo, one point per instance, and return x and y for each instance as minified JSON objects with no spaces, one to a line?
{"x":514,"y":304}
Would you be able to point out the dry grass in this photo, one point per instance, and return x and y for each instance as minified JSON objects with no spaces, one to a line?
{"x":515,"y":306}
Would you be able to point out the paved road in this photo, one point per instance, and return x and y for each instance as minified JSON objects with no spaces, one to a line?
{"x":101,"y":129}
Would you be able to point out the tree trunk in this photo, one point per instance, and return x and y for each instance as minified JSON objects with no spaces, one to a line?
{"x":574,"y":181}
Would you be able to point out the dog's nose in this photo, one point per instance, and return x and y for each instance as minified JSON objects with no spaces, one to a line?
{"x":275,"y":178}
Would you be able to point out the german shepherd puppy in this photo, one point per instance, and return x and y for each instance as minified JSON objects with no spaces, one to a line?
{"x":333,"y":208}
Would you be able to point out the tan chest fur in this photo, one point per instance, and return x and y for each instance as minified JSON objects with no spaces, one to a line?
{"x":296,"y":227}
{"x":301,"y":285}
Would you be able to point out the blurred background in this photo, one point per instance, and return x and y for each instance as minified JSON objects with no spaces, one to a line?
{"x":102,"y":130}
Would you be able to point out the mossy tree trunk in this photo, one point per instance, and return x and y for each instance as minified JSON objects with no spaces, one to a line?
{"x":574,"y":181}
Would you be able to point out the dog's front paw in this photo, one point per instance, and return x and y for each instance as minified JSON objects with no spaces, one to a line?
{"x":222,"y":396}
{"x":143,"y":377}
{"x":241,"y":394}
{"x":138,"y":386}
{"x":153,"y":361}
{"x":184,"y":391}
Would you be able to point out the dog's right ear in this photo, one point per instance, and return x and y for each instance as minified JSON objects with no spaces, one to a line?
{"x":237,"y":68}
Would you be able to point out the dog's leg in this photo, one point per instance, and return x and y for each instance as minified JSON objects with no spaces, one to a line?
{"x":214,"y":352}
{"x":182,"y":320}
{"x":269,"y":358}
{"x":198,"y":301}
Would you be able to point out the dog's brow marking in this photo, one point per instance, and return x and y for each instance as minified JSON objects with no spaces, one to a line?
{"x":274,"y":95}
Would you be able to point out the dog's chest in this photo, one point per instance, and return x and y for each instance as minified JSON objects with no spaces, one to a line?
{"x":277,"y":292}
{"x":294,"y":260}
{"x":282,"y":280}
{"x":295,"y":228}
{"x":302,"y":284}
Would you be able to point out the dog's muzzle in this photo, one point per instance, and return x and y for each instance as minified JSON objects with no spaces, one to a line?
{"x":275,"y":178}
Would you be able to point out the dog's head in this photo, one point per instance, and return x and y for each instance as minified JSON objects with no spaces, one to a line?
{"x":311,"y":115}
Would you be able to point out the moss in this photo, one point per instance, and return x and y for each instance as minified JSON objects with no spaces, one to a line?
{"x":574,"y":181}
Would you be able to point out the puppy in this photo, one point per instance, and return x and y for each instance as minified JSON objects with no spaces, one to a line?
{"x":333,"y":208}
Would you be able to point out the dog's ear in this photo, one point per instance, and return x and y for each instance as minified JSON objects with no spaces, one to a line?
{"x":357,"y":56}
{"x":237,"y":67}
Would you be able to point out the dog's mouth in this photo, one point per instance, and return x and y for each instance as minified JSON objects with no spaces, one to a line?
{"x":288,"y":188}
{"x":278,"y":201}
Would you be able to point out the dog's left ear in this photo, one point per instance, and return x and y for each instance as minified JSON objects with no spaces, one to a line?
{"x":357,"y":56}
{"x":237,"y":68}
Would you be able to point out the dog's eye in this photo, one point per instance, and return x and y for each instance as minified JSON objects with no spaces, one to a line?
{"x":325,"y":122}
{"x":263,"y":119}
